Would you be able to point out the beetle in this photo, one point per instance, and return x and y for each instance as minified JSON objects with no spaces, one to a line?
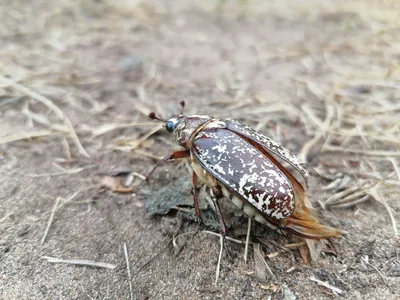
{"x":256,"y":173}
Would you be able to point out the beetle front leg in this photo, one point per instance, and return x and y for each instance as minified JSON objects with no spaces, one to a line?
{"x":172,"y":156}
{"x":195,"y":192}
{"x":216,"y":193}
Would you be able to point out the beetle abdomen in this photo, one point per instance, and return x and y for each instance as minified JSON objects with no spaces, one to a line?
{"x":246,"y":207}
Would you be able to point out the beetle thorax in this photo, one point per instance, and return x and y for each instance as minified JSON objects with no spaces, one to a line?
{"x":187,"y":126}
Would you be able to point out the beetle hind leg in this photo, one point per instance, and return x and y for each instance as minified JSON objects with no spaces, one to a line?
{"x":195,"y":193}
{"x":216,"y":193}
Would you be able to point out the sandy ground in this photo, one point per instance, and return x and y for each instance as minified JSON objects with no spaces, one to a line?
{"x":321,"y":77}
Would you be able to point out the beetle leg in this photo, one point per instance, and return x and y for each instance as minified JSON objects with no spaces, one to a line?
{"x":195,"y":192}
{"x":215,"y":192}
{"x":172,"y":156}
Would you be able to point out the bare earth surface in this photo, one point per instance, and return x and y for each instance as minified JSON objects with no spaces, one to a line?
{"x":321,"y":77}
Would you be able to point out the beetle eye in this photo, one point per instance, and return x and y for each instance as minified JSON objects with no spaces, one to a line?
{"x":172,"y":124}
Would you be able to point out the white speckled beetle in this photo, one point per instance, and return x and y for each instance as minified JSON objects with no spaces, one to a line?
{"x":245,"y":166}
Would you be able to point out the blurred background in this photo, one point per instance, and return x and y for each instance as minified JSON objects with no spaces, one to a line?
{"x":77,"y":81}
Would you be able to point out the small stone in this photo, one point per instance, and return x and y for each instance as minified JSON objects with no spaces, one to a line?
{"x":24,"y":230}
{"x":25,"y":261}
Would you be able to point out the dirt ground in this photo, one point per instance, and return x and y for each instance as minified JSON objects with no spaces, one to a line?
{"x":77,"y":81}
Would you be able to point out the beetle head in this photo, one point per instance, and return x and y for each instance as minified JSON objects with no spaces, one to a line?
{"x":182,"y":127}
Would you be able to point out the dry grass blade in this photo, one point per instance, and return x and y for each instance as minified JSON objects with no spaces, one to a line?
{"x":246,"y":248}
{"x":128,"y":270}
{"x":228,"y":238}
{"x":303,"y":155}
{"x":10,"y":100}
{"x":355,"y":199}
{"x":259,"y":259}
{"x":349,"y":195}
{"x":312,"y":116}
{"x":30,"y":135}
{"x":154,"y":256}
{"x":294,"y":245}
{"x":6,"y":217}
{"x":329,"y":148}
{"x":376,"y":269}
{"x":133,"y":144}
{"x":396,"y":167}
{"x":147,"y":154}
{"x":375,"y":193}
{"x":259,"y":266}
{"x":218,"y":269}
{"x":314,"y":248}
{"x":323,"y":129}
{"x":50,"y":220}
{"x":256,"y":111}
{"x":103,"y":129}
{"x":73,"y":196}
{"x":66,"y":172}
{"x":334,"y":289}
{"x":47,"y":102}
{"x":80,"y":262}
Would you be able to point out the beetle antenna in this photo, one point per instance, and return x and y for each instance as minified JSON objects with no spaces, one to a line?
{"x":182,"y":103}
{"x":153,"y":116}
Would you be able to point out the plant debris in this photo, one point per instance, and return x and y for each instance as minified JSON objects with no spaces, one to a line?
{"x":119,"y":180}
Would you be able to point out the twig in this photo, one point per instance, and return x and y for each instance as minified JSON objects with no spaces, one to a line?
{"x":221,"y":240}
{"x":50,"y":220}
{"x":80,"y":262}
{"x":226,"y":237}
{"x":334,"y":289}
{"x":128,"y":270}
{"x":246,"y":247}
